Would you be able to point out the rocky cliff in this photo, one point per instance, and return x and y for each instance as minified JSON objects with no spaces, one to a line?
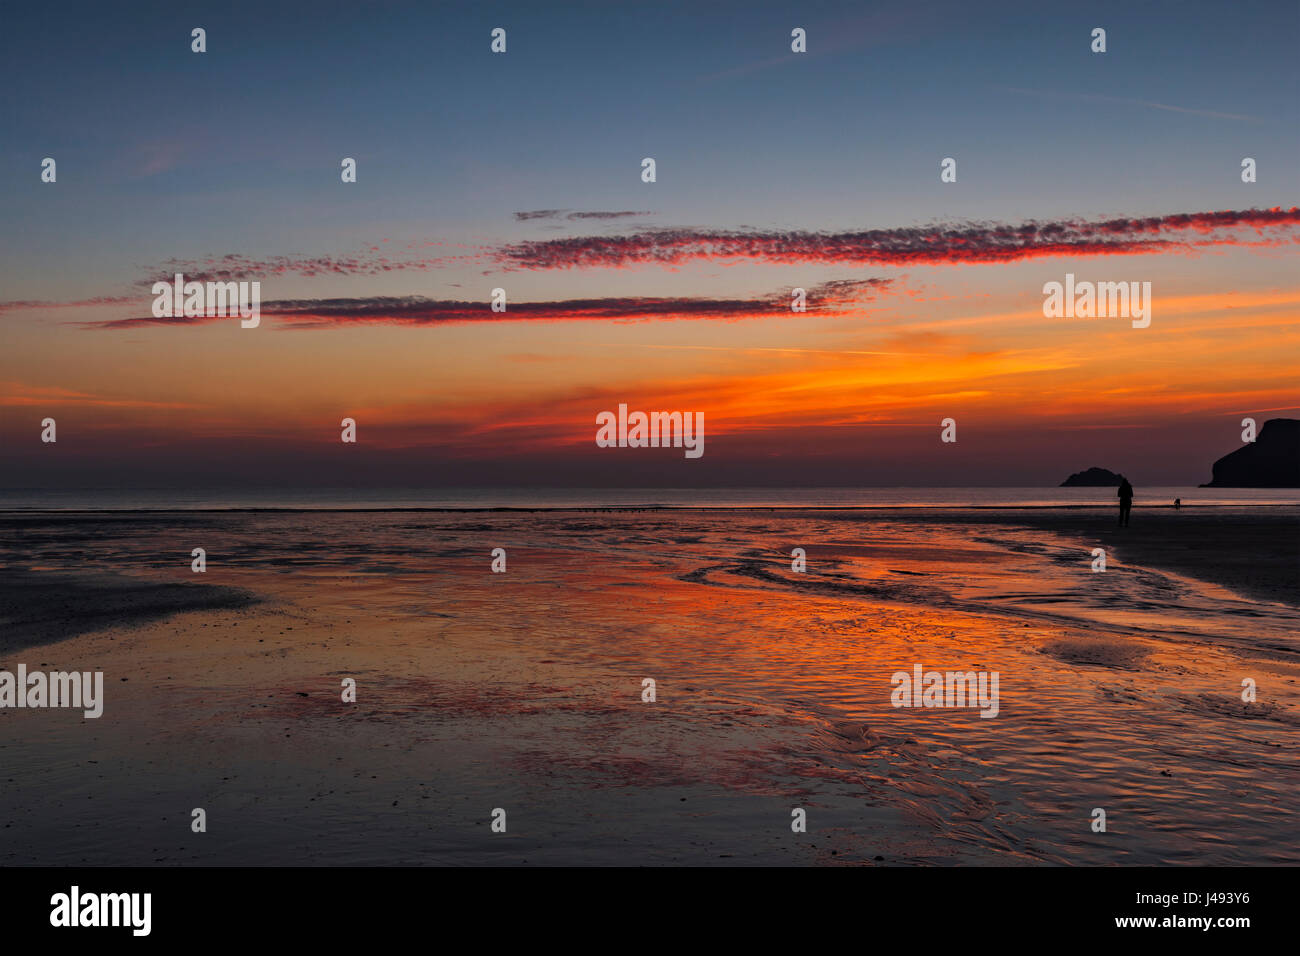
{"x":1272,"y":460}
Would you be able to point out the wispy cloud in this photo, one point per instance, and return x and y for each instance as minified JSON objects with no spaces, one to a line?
{"x":1125,"y":101}
{"x":935,"y":244}
{"x":566,"y":214}
{"x":831,"y":297}
{"x":929,"y":245}
{"x":942,"y":244}
{"x":236,"y":266}
{"x":19,"y":394}
{"x":102,"y":300}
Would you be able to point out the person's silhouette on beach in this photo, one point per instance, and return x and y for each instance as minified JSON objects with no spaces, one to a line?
{"x":1125,"y":494}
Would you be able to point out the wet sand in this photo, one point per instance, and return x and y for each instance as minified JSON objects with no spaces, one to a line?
{"x":42,"y":608}
{"x":523,"y":690}
{"x":1257,"y":554}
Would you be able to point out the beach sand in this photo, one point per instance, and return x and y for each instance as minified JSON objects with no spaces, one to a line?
{"x":523,"y":690}
{"x":1255,"y":553}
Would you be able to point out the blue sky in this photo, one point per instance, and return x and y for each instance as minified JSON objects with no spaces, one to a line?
{"x":238,"y":149}
{"x":164,"y":154}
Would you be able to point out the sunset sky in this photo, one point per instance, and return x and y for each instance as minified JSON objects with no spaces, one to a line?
{"x":522,"y":171}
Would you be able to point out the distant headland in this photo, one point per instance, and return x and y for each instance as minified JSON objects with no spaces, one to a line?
{"x":1272,"y":460}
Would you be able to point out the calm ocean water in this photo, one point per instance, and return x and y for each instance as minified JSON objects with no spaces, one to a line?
{"x":95,"y":499}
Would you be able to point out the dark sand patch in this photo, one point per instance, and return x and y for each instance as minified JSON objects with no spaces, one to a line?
{"x":1256,"y":554}
{"x":39,"y":608}
{"x":1222,"y":705}
{"x":1100,"y":653}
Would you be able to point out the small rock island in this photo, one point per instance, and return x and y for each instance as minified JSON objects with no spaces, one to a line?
{"x":1093,"y":478}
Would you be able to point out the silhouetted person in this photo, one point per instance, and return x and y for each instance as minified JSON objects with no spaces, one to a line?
{"x":1125,"y":502}
{"x":1178,"y":503}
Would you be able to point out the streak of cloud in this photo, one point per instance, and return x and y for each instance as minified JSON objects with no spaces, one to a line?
{"x":833,"y":297}
{"x":941,"y":244}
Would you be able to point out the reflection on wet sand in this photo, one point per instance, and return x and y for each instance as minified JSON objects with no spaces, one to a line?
{"x":522,"y":690}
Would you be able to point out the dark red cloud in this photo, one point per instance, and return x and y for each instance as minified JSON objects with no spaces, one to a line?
{"x":21,"y":305}
{"x":238,"y":267}
{"x":831,"y":297}
{"x":938,"y":244}
{"x":566,"y":214}
{"x":944,"y":244}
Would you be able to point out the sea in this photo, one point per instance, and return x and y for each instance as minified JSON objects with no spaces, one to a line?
{"x":470,"y":499}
